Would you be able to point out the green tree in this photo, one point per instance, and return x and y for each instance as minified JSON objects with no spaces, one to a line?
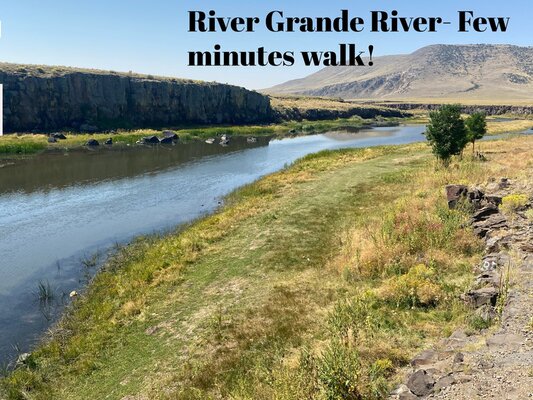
{"x":476,"y":127}
{"x":446,"y":132}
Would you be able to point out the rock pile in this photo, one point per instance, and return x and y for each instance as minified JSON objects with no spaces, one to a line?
{"x":492,"y":364}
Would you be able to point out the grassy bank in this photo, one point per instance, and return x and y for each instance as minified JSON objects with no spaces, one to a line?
{"x":319,"y":281}
{"x":27,"y":144}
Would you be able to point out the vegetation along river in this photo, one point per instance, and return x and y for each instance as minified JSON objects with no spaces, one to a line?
{"x":60,"y":214}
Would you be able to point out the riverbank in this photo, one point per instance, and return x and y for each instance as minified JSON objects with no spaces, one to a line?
{"x":29,"y":144}
{"x":267,"y":297}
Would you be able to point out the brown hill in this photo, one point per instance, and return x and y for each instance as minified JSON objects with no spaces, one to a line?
{"x":471,"y":72}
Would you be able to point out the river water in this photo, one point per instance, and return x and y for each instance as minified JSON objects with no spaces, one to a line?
{"x":59,"y":211}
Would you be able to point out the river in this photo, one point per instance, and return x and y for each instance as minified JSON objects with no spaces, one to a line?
{"x":62,"y":212}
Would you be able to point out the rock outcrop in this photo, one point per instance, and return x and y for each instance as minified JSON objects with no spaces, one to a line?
{"x":496,"y":362}
{"x":52,"y":98}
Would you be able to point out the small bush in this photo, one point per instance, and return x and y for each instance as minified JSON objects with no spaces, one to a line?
{"x":413,"y":289}
{"x":513,"y":202}
{"x":339,"y":372}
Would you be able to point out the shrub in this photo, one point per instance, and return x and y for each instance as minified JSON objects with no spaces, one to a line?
{"x":513,"y":202}
{"x":415,"y":288}
{"x":339,"y":372}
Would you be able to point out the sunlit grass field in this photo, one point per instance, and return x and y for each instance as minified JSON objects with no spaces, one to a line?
{"x":320,"y":281}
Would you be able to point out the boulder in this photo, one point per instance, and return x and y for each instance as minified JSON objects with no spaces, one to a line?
{"x":109,"y":141}
{"x":170,"y":134}
{"x":52,"y":139}
{"x":454,"y":193}
{"x":166,"y":140}
{"x":59,"y":135}
{"x":421,"y":383}
{"x":150,"y":140}
{"x":92,"y":143}
{"x":486,"y":295}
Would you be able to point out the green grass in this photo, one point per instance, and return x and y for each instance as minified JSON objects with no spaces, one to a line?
{"x":21,"y":147}
{"x":266,"y":298}
{"x":35,"y":143}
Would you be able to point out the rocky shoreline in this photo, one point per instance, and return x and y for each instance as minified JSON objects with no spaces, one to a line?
{"x":497,"y":362}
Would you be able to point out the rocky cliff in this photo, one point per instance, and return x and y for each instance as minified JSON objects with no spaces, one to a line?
{"x":39,"y":98}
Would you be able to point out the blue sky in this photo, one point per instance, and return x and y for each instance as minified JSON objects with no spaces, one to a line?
{"x":151,"y":36}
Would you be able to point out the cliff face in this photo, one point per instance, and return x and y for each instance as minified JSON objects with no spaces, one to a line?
{"x":49,"y":98}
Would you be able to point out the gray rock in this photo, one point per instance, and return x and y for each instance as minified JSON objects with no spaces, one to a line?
{"x":454,"y":193}
{"x":505,"y":339}
{"x":458,"y":358}
{"x":486,"y":295}
{"x":59,"y":136}
{"x":485,"y":212}
{"x":52,"y":139}
{"x":109,"y":141}
{"x":166,"y":140}
{"x":23,"y":359}
{"x":150,"y":140}
{"x":407,"y":396}
{"x":170,"y":134}
{"x":443,"y":382}
{"x":485,"y":226}
{"x":92,"y":143}
{"x":492,"y":199}
{"x":475,"y":197}
{"x":427,"y":357}
{"x":489,"y":277}
{"x":421,"y":383}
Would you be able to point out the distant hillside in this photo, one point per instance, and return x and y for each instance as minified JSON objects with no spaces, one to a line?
{"x":51,"y":98}
{"x":477,"y":72}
